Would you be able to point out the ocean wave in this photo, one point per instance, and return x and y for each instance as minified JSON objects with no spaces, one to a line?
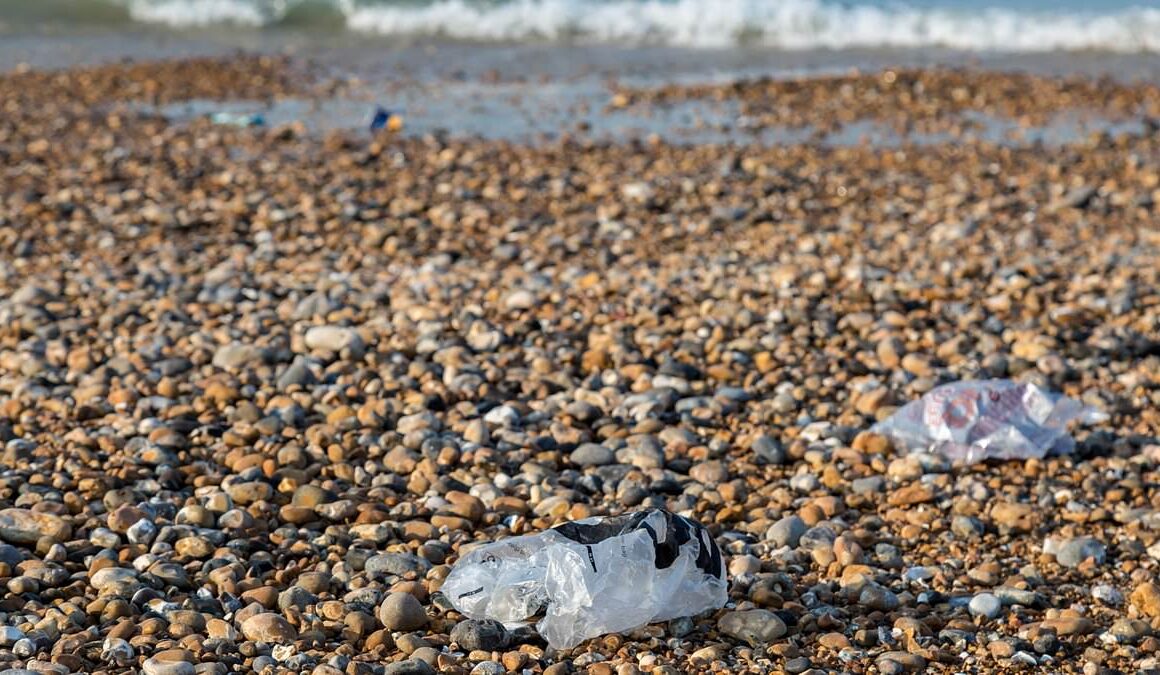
{"x":786,"y":24}
{"x":202,"y":13}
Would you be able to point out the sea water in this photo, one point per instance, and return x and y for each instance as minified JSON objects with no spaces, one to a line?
{"x":1015,"y":25}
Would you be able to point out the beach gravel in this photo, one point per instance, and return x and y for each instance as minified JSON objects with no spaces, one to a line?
{"x":261,"y":388}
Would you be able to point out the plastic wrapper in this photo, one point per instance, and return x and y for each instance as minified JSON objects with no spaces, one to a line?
{"x":592,"y":577}
{"x":972,"y":421}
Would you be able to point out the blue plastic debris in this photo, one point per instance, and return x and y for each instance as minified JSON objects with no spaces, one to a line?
{"x":386,"y":119}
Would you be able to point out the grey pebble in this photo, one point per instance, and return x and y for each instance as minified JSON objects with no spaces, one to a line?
{"x":985,"y":605}
{"x":787,"y":532}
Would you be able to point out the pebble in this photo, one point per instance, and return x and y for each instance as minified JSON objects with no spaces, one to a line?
{"x":488,"y":635}
{"x":787,"y":532}
{"x":591,"y":454}
{"x":868,"y":486}
{"x":986,"y":605}
{"x":1129,"y":631}
{"x":401,"y":611}
{"x":235,"y":356}
{"x":1075,"y":551}
{"x":408,"y":667}
{"x":156,"y":667}
{"x":1146,"y":598}
{"x":904,"y":661}
{"x":966,"y":527}
{"x":754,"y":626}
{"x":267,"y":627}
{"x":335,"y":339}
{"x":769,"y":449}
{"x":10,"y":635}
{"x":1108,"y":595}
{"x":876,"y":597}
{"x":398,"y":564}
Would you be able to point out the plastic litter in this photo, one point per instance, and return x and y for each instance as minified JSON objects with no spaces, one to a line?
{"x":385,"y":119}
{"x":972,"y":421}
{"x":592,"y":577}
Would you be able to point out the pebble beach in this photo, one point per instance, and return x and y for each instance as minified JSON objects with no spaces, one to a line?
{"x":260,"y":386}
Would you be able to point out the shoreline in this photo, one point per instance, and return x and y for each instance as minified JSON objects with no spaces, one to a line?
{"x":434,"y":58}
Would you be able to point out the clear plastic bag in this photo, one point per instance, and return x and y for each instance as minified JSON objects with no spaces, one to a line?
{"x":972,"y":421}
{"x":593,"y":576}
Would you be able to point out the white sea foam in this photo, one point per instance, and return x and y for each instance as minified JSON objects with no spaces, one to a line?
{"x":788,"y":24}
{"x":200,"y":13}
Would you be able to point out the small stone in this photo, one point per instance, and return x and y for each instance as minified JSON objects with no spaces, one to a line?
{"x":397,"y":564}
{"x":311,"y":496}
{"x":870,"y":485}
{"x":296,"y":597}
{"x":112,"y":577}
{"x":1129,"y":631}
{"x":483,"y":337}
{"x":1018,"y":596}
{"x":21,"y":526}
{"x":409,"y":667}
{"x":709,"y":473}
{"x":502,"y":416}
{"x":1146,"y":598}
{"x":335,"y":339}
{"x":519,"y":300}
{"x":908,"y":662}
{"x":141,"y":532}
{"x":985,"y":605}
{"x":591,"y":454}
{"x":10,"y":635}
{"x":769,"y":450}
{"x":876,"y":597}
{"x":819,"y":536}
{"x":249,"y":492}
{"x":268,"y":627}
{"x":890,"y":351}
{"x":787,"y":532}
{"x":1045,"y":643}
{"x":155,"y":666}
{"x":681,"y":626}
{"x":401,"y":611}
{"x":220,"y":629}
{"x":645,"y":454}
{"x":22,"y":584}
{"x":1019,"y":517}
{"x":915,"y":493}
{"x":754,"y":626}
{"x":834,"y":641}
{"x":237,"y":356}
{"x":1069,"y":625}
{"x":488,"y":635}
{"x":1108,"y":595}
{"x":297,"y":373}
{"x":917,"y":364}
{"x":117,"y":650}
{"x":514,"y":661}
{"x":966,"y":527}
{"x":1075,"y":551}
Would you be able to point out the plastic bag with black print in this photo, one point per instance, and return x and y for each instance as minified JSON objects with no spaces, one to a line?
{"x":592,"y":577}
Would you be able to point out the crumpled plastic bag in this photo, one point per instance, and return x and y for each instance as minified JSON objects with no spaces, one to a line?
{"x":592,"y":577}
{"x":972,"y":421}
